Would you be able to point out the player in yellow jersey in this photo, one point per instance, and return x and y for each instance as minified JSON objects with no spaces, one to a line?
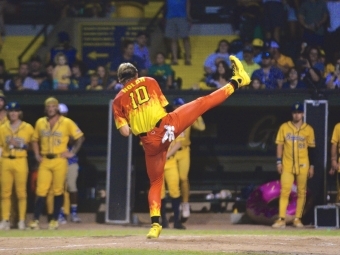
{"x":15,"y":137}
{"x":172,"y":181}
{"x":335,"y":158}
{"x":3,"y":119}
{"x":50,"y":139}
{"x":295,"y":160}
{"x":71,"y":193}
{"x":183,"y":160}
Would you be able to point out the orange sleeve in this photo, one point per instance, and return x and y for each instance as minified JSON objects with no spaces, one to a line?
{"x":119,"y":117}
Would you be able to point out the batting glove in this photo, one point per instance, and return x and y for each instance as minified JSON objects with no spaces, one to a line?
{"x":169,"y":134}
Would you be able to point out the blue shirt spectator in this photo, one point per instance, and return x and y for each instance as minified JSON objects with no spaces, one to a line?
{"x":141,"y":50}
{"x":270,"y":76}
{"x":221,"y":54}
{"x":176,"y":9}
{"x":128,"y":56}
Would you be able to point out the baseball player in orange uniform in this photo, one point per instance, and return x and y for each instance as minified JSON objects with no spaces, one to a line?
{"x":139,"y":109}
{"x":15,"y":137}
{"x":50,"y":139}
{"x":295,"y":160}
{"x":172,"y":181}
{"x":335,"y":159}
{"x":183,"y":160}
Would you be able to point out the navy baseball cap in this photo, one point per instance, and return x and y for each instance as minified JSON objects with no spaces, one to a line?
{"x":13,"y":106}
{"x":297,"y":107}
{"x":266,"y":54}
{"x":178,"y":101}
{"x":248,"y":49}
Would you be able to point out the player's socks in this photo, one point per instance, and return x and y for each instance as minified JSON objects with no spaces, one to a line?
{"x":165,"y":223}
{"x":155,"y":219}
{"x":176,"y":202}
{"x":39,"y":205}
{"x":74,"y":215}
{"x":58,"y":202}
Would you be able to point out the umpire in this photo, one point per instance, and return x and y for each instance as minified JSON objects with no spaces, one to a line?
{"x":50,"y":139}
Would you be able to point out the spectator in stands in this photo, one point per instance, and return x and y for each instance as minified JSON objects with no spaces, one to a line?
{"x":105,"y":80}
{"x":220,"y":77}
{"x":36,"y":69}
{"x":291,"y":7}
{"x":274,"y":18}
{"x":248,"y":60}
{"x":309,"y":69}
{"x":27,"y":82}
{"x":293,"y":81}
{"x":313,"y":16}
{"x":65,"y":47}
{"x":94,"y":85}
{"x":280,"y":61}
{"x":128,"y":56}
{"x":162,"y":72}
{"x":270,"y":76}
{"x":78,"y":79}
{"x":61,"y":72}
{"x":221,"y":54}
{"x":141,"y":50}
{"x":4,"y":76}
{"x":47,"y":83}
{"x":333,"y":78}
{"x":330,"y":67}
{"x":255,"y":84}
{"x":258,"y":50}
{"x":178,"y":20}
{"x":332,"y":38}
{"x":313,"y":55}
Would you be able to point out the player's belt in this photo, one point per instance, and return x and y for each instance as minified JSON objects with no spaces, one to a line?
{"x":51,"y":155}
{"x":157,"y":125}
{"x":12,"y":157}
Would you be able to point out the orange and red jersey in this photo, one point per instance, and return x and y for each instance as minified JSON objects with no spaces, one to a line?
{"x":140,"y":104}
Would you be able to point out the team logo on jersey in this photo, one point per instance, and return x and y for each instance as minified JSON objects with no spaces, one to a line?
{"x":291,"y":137}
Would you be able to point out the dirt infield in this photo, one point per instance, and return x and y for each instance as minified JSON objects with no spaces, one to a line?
{"x":185,"y":241}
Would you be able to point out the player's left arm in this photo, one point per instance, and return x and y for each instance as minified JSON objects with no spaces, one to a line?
{"x":311,"y":152}
{"x":78,"y":137}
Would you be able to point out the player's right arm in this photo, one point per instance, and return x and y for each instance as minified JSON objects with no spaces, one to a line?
{"x":279,"y":149}
{"x":199,"y":124}
{"x":279,"y":153}
{"x":120,"y":119}
{"x":125,"y":130}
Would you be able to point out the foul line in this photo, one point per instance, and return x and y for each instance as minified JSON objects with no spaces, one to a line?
{"x":56,"y":247}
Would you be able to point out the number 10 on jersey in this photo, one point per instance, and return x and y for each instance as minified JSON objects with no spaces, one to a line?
{"x":141,"y":95}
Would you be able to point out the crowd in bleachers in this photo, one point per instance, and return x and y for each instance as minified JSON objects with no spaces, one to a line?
{"x":300,"y":51}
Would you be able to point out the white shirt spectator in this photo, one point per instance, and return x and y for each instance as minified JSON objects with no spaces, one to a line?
{"x":28,"y":83}
{"x":334,"y":15}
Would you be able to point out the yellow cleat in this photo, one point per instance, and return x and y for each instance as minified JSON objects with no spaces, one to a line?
{"x":297,"y":223}
{"x":34,"y":224}
{"x":53,"y":225}
{"x":239,"y":74}
{"x":280,"y":223}
{"x":155,"y":231}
